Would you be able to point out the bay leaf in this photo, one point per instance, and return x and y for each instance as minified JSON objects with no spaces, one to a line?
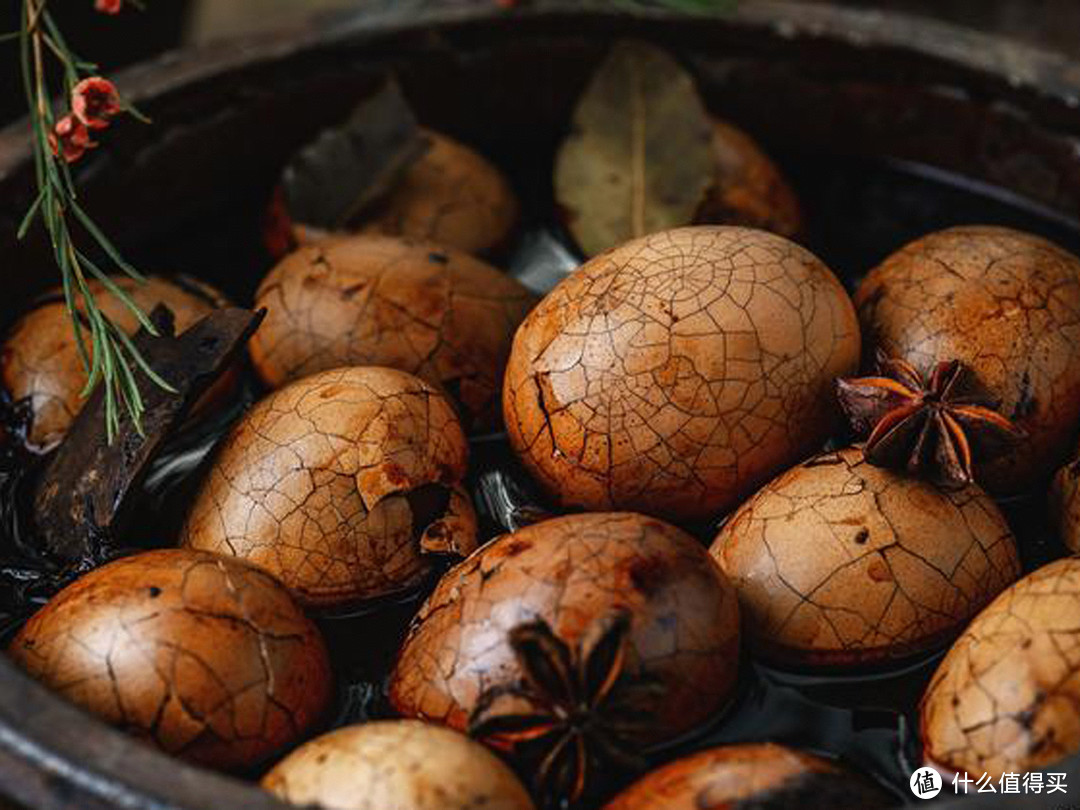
{"x":347,"y":169}
{"x":639,"y":157}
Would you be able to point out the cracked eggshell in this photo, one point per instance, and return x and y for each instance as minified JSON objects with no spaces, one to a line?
{"x":1065,"y":505}
{"x":452,"y":196}
{"x":573,"y":572}
{"x":343,"y":485}
{"x":750,"y":189}
{"x":377,"y":300}
{"x":838,"y":562}
{"x":40,"y":358}
{"x":1007,"y":304}
{"x":759,"y":775}
{"x":204,"y":656}
{"x":1006,"y":698}
{"x":677,"y":373}
{"x":399,"y":764}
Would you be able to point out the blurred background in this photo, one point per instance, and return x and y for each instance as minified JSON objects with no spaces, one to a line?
{"x":1055,"y":23}
{"x":166,"y":24}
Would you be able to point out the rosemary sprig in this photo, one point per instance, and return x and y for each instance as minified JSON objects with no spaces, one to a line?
{"x":108,"y":355}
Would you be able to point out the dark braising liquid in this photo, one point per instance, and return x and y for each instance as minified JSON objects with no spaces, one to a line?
{"x":858,"y":212}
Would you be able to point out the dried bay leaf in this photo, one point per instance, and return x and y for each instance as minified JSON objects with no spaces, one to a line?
{"x":640,"y":156}
{"x":348,"y":168}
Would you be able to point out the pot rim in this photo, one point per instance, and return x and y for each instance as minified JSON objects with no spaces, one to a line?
{"x":94,"y":765}
{"x":1019,"y":65}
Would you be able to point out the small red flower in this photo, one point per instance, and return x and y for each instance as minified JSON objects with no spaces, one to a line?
{"x":70,"y":138}
{"x":95,"y":101}
{"x":108,"y":6}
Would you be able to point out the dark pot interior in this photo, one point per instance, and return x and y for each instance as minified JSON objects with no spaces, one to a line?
{"x":889,"y":127}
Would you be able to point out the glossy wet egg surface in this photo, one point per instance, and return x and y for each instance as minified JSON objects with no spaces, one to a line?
{"x":841,"y":563}
{"x":340,"y":484}
{"x":676,"y":373}
{"x":206,"y":657}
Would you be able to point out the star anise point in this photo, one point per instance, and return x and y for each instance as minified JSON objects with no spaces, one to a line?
{"x":572,"y":710}
{"x":937,"y":425}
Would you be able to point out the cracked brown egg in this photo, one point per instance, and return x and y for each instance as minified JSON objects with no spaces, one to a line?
{"x":1006,"y":698}
{"x":627,"y":616}
{"x":204,"y":656}
{"x":345,"y":485}
{"x":749,"y":190}
{"x":677,"y":373}
{"x":377,"y":300}
{"x":399,"y":764}
{"x":451,"y":195}
{"x":1006,"y":304}
{"x":40,"y":358}
{"x":749,"y":776}
{"x":839,"y":562}
{"x":1065,"y":505}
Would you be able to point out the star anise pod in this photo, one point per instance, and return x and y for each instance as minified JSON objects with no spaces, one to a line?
{"x":573,"y":712}
{"x":935,"y":427}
